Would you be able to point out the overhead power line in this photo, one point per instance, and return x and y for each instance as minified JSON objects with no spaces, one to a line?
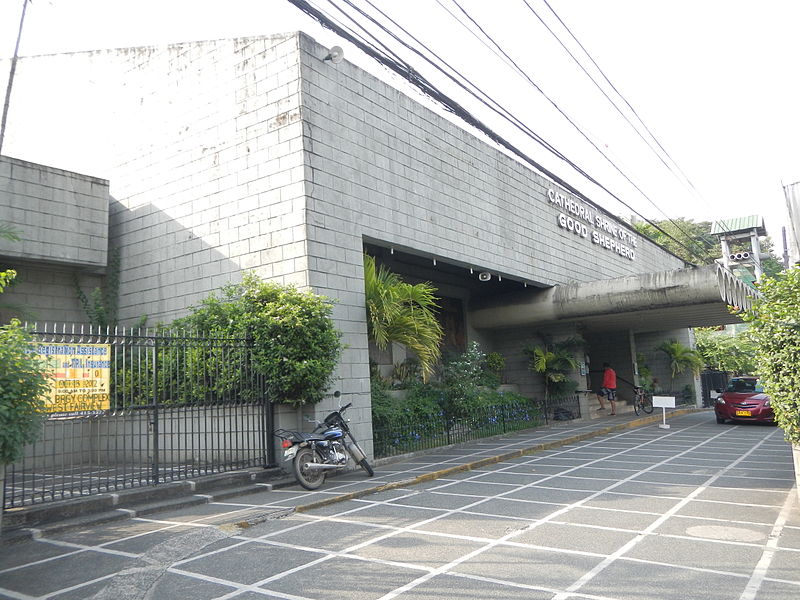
{"x":416,"y":79}
{"x":14,"y":58}
{"x":569,"y":119}
{"x":680,"y":175}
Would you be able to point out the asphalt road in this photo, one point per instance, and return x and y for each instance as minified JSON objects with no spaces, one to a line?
{"x":697,"y":511}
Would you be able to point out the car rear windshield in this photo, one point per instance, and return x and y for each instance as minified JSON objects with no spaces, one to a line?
{"x":744,"y":386}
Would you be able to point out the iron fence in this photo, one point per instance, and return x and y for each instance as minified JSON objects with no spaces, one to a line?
{"x":179,"y":406}
{"x":411,"y":435}
{"x":565,"y":408}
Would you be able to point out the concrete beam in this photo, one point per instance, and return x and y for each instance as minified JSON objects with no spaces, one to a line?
{"x":686,"y":295}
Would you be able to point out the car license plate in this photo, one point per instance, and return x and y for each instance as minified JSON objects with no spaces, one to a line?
{"x":743,"y":413}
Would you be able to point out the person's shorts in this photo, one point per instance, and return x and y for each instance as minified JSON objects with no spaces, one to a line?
{"x":609,"y":393}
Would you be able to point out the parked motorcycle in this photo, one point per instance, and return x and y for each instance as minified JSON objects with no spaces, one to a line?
{"x":325,"y":449}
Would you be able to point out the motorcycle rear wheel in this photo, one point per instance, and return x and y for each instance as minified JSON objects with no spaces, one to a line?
{"x":309,"y":479}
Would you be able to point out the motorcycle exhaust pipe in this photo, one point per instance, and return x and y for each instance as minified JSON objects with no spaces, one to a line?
{"x":320,"y":467}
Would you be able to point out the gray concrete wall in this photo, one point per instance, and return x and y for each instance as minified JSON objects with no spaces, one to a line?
{"x":61,"y":216}
{"x":42,"y":292}
{"x":187,"y":436}
{"x":386,"y":169}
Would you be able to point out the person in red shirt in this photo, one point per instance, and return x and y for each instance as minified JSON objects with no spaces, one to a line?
{"x":608,"y":390}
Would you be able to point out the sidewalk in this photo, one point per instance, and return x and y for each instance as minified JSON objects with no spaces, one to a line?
{"x":195,"y":496}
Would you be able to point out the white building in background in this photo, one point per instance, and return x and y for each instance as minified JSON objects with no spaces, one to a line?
{"x":256,"y":154}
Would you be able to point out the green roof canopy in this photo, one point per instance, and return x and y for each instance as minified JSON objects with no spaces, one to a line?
{"x":738,"y":224}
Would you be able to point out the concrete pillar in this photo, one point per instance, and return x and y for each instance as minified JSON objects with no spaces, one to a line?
{"x":756,"y":251}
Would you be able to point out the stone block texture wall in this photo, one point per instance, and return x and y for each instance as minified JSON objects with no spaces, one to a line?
{"x":43,"y":293}
{"x":61,"y":217}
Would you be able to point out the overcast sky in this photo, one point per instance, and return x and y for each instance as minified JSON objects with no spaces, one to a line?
{"x":714,"y":80}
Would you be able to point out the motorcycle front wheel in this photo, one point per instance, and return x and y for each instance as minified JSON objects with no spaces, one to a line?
{"x":309,"y":479}
{"x":366,"y":466}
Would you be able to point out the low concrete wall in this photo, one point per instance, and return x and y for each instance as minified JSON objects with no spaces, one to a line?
{"x":192,"y":435}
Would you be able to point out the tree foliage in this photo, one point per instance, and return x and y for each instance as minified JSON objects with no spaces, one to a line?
{"x":722,"y":351}
{"x":296,"y":346}
{"x":692,"y":241}
{"x":694,"y":244}
{"x":23,"y":385}
{"x":23,"y":380}
{"x":401,"y":312}
{"x":7,"y":232}
{"x":775,"y":328}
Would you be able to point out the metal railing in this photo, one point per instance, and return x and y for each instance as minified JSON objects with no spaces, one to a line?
{"x":441,"y":429}
{"x":565,"y":408}
{"x":181,"y":405}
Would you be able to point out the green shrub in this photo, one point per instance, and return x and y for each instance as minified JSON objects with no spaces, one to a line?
{"x":775,"y":328}
{"x":493,"y":367}
{"x":23,"y":386}
{"x":296,"y":346}
{"x":446,"y":410}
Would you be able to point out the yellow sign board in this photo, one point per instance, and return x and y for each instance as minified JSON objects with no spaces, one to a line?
{"x":80,"y":378}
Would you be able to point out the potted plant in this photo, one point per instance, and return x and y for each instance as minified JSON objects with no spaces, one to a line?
{"x":775,"y":327}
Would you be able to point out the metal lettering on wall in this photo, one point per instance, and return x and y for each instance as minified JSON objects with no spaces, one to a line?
{"x":81,"y":374}
{"x":587,"y":223}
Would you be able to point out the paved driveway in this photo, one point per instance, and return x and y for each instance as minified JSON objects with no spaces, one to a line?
{"x":698,"y":511}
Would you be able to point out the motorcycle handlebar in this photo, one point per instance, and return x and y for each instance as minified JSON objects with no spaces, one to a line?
{"x":346,"y":406}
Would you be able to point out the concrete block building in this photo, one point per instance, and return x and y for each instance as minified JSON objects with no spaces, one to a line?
{"x":256,"y":154}
{"x":62,"y":221}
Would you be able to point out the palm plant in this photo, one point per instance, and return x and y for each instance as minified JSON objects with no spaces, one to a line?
{"x":554,"y":362}
{"x":403,"y":313}
{"x":681,"y":358}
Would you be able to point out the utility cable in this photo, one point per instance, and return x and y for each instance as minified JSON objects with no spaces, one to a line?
{"x":504,"y":56}
{"x":619,"y":94}
{"x":14,"y":59}
{"x":571,"y":122}
{"x":450,"y":104}
{"x":497,"y":107}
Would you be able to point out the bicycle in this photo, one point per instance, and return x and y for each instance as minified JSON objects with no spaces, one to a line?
{"x":642,"y":402}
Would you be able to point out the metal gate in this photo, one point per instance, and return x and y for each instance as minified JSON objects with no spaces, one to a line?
{"x":181,"y":405}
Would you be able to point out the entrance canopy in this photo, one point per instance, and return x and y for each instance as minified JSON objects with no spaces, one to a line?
{"x":694,"y":297}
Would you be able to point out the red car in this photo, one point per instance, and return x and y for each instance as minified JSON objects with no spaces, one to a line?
{"x":744,"y":400}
